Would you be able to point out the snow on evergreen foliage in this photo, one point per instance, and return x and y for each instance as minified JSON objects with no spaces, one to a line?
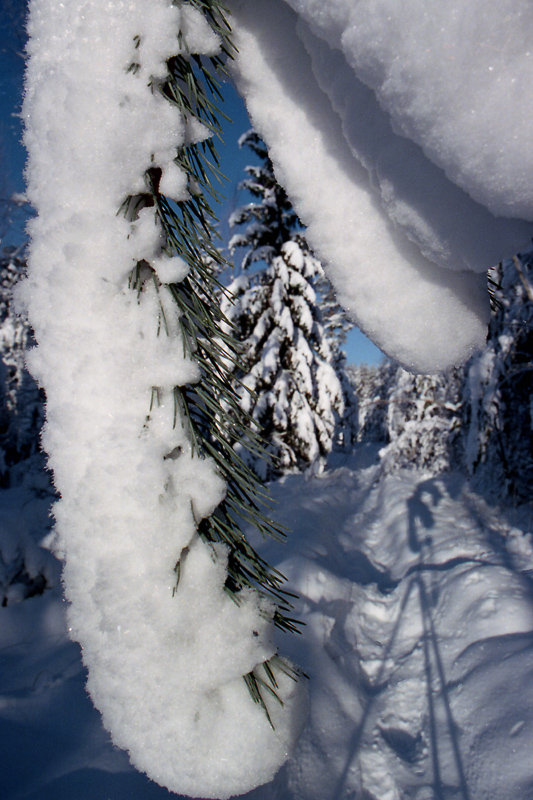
{"x":336,"y":323}
{"x":344,"y":169}
{"x":417,"y":417}
{"x":423,"y":421}
{"x":288,"y":377}
{"x":26,"y":569}
{"x":165,"y":593}
{"x":371,"y":385}
{"x":21,"y":401}
{"x":499,"y":387}
{"x":270,"y":222}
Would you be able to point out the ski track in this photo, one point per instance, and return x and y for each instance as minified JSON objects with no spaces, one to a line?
{"x":417,"y":597}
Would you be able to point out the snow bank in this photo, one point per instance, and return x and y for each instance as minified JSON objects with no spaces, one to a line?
{"x":384,"y":213}
{"x":165,"y":664}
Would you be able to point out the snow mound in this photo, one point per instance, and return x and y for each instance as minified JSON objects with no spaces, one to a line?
{"x":391,"y":185}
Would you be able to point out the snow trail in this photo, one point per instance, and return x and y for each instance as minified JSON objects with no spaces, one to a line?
{"x":417,"y":596}
{"x":416,"y":602}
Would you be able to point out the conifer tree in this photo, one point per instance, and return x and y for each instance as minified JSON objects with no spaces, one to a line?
{"x":336,"y":323}
{"x":423,"y":415}
{"x":498,"y":406}
{"x":417,"y":418}
{"x":26,"y":568}
{"x":371,"y":385}
{"x":21,"y":401}
{"x":287,"y":377}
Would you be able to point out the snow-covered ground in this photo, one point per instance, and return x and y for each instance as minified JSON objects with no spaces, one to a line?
{"x":418,"y":600}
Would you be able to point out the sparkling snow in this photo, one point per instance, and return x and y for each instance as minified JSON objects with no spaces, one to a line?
{"x":166,"y":664}
{"x":442,"y":108}
{"x":389,"y":152}
{"x":458,"y":84}
{"x":419,"y":636}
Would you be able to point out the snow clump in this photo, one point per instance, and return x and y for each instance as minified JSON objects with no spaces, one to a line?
{"x":166,"y":661}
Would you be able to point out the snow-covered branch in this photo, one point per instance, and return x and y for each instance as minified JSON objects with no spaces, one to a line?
{"x":166,"y":642}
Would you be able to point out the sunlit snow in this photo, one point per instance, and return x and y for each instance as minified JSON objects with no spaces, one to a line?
{"x":166,"y":664}
{"x":335,"y":97}
{"x":418,"y":644}
{"x":396,"y":150}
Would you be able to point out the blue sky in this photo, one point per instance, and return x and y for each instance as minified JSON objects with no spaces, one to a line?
{"x":12,"y":156}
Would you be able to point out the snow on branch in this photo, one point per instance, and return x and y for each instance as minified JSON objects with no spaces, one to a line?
{"x":173,"y":609}
{"x":401,"y":135}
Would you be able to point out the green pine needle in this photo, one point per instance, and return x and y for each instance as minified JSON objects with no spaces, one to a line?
{"x":209,"y":410}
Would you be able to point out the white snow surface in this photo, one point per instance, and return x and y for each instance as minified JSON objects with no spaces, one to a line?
{"x":387,"y":206}
{"x":419,"y":632}
{"x":165,"y":667}
{"x":418,"y":644}
{"x":455,"y":78}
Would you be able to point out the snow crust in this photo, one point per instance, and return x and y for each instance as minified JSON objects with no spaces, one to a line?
{"x":386,"y":207}
{"x":165,"y":663}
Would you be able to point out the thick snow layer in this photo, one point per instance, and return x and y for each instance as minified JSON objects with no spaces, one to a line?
{"x":440,"y":218}
{"x":417,"y":599}
{"x":166,"y":665}
{"x":425,"y":317}
{"x":418,"y":644}
{"x":455,"y":77}
{"x":382,"y":217}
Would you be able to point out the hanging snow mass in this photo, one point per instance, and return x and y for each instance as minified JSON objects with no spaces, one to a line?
{"x":167,"y":652}
{"x":398,"y":152}
{"x":401,"y":134}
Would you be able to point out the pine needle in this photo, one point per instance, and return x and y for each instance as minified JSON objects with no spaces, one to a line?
{"x":209,"y":410}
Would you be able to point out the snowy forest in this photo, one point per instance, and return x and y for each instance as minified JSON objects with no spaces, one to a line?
{"x":235,"y":561}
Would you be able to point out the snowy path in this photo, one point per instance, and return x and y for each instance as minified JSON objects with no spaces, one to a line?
{"x":419,"y":641}
{"x":418,"y":603}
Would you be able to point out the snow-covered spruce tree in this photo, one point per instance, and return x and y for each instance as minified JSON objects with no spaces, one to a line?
{"x":416,"y":417}
{"x":286,"y":377}
{"x":174,"y":610}
{"x":371,"y":386}
{"x":423,"y":421}
{"x":498,"y":387}
{"x":334,"y":319}
{"x":26,"y":569}
{"x":336,"y":326}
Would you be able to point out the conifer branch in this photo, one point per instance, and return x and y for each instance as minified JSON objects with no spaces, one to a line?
{"x":209,"y":409}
